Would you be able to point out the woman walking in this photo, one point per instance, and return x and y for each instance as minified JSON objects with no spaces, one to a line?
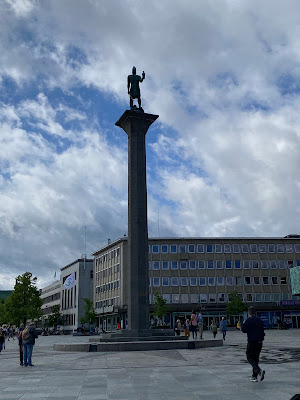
{"x":194,"y":324}
{"x":214,"y":328}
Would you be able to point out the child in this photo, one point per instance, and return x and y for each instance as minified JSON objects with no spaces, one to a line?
{"x":213,"y":327}
{"x":187,"y":328}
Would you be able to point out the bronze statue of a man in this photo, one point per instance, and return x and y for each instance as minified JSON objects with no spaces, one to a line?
{"x":133,"y":86}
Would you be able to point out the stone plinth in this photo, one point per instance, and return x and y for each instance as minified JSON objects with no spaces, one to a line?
{"x":136,"y":125}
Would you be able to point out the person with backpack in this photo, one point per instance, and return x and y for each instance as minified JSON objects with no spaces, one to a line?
{"x":29,"y":335}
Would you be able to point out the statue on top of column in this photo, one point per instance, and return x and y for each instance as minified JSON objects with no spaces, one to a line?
{"x":133,"y":86}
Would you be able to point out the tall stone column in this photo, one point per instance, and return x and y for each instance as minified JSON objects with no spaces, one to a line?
{"x":136,"y":125}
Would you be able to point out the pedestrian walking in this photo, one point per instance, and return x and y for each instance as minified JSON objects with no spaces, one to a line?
{"x":200,"y":324}
{"x":21,"y":344}
{"x":2,"y":340}
{"x":194,"y":324}
{"x":187,"y":328}
{"x":28,"y":337}
{"x":214,"y":328}
{"x":254,"y":327}
{"x":223,"y":326}
{"x":177,"y":327}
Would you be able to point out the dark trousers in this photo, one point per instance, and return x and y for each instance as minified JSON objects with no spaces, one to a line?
{"x":194,"y":331}
{"x":253,"y":352}
{"x":21,"y":354}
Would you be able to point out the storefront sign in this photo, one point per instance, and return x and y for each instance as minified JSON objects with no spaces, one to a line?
{"x":290,"y":303}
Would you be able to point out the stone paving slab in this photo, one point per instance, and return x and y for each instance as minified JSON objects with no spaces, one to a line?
{"x":204,"y":373}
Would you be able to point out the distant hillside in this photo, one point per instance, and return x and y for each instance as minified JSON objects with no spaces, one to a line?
{"x":4,"y":294}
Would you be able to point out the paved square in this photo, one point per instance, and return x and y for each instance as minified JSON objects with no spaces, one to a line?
{"x":211,"y":373}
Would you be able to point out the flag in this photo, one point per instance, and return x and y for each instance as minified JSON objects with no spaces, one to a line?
{"x":70,"y":281}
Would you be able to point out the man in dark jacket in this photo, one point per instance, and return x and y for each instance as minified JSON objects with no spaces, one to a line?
{"x":28,"y":337}
{"x":254,"y":327}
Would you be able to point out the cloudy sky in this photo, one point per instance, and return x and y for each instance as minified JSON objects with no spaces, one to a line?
{"x":223,"y":158}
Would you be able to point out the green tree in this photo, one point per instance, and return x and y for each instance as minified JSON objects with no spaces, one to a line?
{"x":55,"y":318}
{"x":160,"y":309}
{"x":89,"y":312}
{"x":3,"y":313}
{"x":25,"y":302}
{"x":235,"y":306}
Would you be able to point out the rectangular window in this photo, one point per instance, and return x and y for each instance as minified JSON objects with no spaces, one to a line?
{"x":155,"y":265}
{"x":203,"y":298}
{"x":283,"y":280}
{"x":219,"y":264}
{"x":245,"y":248}
{"x":274,"y":280}
{"x":262,"y":248}
{"x":200,"y":248}
{"x":183,"y":264}
{"x":191,"y":248}
{"x":165,"y":281}
{"x":167,"y":297}
{"x":273,"y":264}
{"x":182,"y":248}
{"x":192,"y":264}
{"x":218,"y":248}
{"x":227,"y":248}
{"x":156,"y":281}
{"x":211,"y":281}
{"x":246,"y":264}
{"x":289,"y":248}
{"x":253,"y":248}
{"x":282,"y":264}
{"x":285,"y":296}
{"x":155,"y":248}
{"x":256,"y":280}
{"x":298,"y":263}
{"x":202,"y":281}
{"x":280,"y":248}
{"x":271,"y":248}
{"x":210,"y":264}
{"x":212,"y":298}
{"x":247,"y":280}
{"x":220,"y":280}
{"x":174,"y":281}
{"x":229,"y":280}
{"x":165,"y":265}
{"x":209,"y":248}
{"x":173,"y":248}
{"x":237,"y":264}
{"x":228,"y":264}
{"x":164,"y":248}
{"x":236,"y":248}
{"x":265,"y":280}
{"x":297,"y":248}
{"x":221,"y":297}
{"x":276,"y":297}
{"x":238,"y":280}
{"x":249,"y":297}
{"x":268,"y":297}
{"x":255,"y":264}
{"x":264,"y":264}
{"x":175,"y":298}
{"x":193,"y":281}
{"x":258,"y":297}
{"x":184,"y":298}
{"x":201,"y":264}
{"x":290,"y":264}
{"x":194,"y":298}
{"x":184,"y":281}
{"x":174,"y":264}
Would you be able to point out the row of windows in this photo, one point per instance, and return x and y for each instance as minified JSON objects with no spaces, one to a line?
{"x":108,"y":271}
{"x":220,"y":264}
{"x":108,"y":286}
{"x":221,"y":297}
{"x":108,"y":256}
{"x":220,"y":281}
{"x":114,"y":301}
{"x":224,"y":248}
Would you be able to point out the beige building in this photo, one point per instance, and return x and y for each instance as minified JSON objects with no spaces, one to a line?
{"x":51,"y":297}
{"x":194,"y":273}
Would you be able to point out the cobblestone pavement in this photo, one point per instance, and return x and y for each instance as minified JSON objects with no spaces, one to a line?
{"x":210,"y":373}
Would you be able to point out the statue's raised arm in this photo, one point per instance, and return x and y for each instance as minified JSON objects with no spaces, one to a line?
{"x":133,"y":87}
